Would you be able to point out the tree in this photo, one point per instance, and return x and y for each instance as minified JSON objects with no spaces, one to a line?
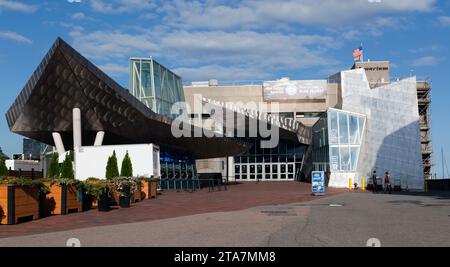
{"x":53,"y":170}
{"x":3,"y":168}
{"x":67,"y":168}
{"x":112,"y":168}
{"x":127,"y":166}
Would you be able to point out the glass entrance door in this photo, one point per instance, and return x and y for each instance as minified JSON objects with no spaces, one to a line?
{"x":259,"y":171}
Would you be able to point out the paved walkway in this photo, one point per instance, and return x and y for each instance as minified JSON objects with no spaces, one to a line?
{"x":348,"y":219}
{"x":173,"y":204}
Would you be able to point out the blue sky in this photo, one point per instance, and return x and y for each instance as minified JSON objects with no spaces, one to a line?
{"x":232,"y":40}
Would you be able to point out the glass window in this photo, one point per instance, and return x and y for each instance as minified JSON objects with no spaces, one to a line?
{"x":282,"y":148}
{"x":354,"y":152}
{"x":334,"y":159}
{"x":267,"y":171}
{"x":274,"y":171}
{"x":343,"y":128}
{"x":345,"y":158}
{"x":354,"y":133}
{"x":252,"y":169}
{"x":146,"y":80}
{"x":333,"y":128}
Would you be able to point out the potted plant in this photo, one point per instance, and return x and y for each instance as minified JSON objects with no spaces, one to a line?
{"x":125,"y":187}
{"x":19,"y":199}
{"x":98,"y":192}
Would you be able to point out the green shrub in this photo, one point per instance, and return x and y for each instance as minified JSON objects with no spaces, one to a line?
{"x":96,"y":187}
{"x":125,"y":185}
{"x":67,"y":168}
{"x":3,"y":168}
{"x":53,"y":170}
{"x":112,"y":169}
{"x":43,"y":189}
{"x":127,"y":167}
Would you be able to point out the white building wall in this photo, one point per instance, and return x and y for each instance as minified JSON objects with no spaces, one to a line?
{"x":90,"y":161}
{"x":392,"y":139}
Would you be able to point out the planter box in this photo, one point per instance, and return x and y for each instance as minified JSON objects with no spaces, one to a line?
{"x":137,"y":196}
{"x":63,"y":199}
{"x":18,"y":204}
{"x":102,"y":202}
{"x":149,"y":189}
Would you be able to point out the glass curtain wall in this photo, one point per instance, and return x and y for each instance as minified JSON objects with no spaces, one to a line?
{"x":178,"y":172}
{"x":337,"y":141}
{"x":155,"y":85}
{"x":283,"y":162}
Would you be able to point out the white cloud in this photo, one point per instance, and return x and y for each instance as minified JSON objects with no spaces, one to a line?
{"x":112,"y":45}
{"x":268,"y":50}
{"x":15,"y":37}
{"x":78,"y":16}
{"x":17,"y":6}
{"x":222,"y":73}
{"x":270,"y":13}
{"x":242,"y":39}
{"x":114,"y":69}
{"x":426,"y":61}
{"x":245,"y":53}
{"x":121,"y":6}
{"x":444,"y":20}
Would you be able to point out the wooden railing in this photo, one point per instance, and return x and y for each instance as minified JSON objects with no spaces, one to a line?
{"x":27,"y":174}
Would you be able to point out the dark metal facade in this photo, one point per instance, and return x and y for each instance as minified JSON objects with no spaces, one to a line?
{"x":65,"y":80}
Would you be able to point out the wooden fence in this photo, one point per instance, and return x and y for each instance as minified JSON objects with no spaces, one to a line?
{"x":27,"y":174}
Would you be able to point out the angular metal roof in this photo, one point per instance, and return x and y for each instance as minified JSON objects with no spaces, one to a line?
{"x":65,"y":80}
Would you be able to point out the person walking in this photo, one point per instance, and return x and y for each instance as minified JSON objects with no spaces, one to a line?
{"x":374,"y":181}
{"x":387,"y":182}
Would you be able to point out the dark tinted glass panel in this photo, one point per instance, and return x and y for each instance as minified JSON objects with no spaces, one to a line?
{"x":267,"y":171}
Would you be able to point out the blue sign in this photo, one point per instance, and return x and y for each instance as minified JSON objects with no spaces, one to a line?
{"x":318,"y":182}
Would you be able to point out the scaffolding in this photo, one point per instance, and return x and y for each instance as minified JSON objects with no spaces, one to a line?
{"x":424,"y":105}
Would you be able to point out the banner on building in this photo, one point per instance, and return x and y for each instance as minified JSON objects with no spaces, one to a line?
{"x":286,"y":89}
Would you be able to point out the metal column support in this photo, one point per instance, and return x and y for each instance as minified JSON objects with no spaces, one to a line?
{"x":99,"y":138}
{"x":76,"y":128}
{"x":59,"y":143}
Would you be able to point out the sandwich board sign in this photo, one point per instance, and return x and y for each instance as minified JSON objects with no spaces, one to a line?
{"x":318,"y":183}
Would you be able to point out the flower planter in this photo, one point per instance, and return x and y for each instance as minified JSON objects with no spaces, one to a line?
{"x":149,"y":189}
{"x":124,"y":202}
{"x":137,"y":196}
{"x":63,"y":199}
{"x":18,"y":204}
{"x":88,"y":202}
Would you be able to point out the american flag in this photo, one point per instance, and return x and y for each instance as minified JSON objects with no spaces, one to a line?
{"x":357,"y":53}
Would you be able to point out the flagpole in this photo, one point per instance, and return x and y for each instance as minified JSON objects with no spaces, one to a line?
{"x":362,"y":55}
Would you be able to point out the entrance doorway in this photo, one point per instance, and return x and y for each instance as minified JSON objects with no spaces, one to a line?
{"x":264,"y":171}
